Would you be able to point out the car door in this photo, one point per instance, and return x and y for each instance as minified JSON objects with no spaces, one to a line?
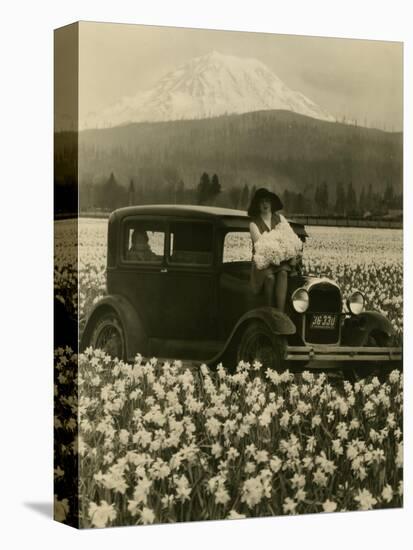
{"x":189,"y":304}
{"x":142,"y":262}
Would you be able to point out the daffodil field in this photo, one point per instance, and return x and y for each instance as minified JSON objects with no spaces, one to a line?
{"x":157,"y":442}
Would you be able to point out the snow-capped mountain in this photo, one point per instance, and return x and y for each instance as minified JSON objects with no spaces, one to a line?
{"x":207,"y":86}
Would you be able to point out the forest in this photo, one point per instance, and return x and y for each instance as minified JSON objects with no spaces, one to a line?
{"x":316,"y":167}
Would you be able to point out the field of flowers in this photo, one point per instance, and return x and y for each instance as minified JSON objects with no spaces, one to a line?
{"x":160,"y":442}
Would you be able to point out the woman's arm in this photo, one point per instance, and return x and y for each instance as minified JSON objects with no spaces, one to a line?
{"x":254,"y":232}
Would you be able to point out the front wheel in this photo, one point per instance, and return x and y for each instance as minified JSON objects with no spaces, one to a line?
{"x":258,"y":343}
{"x":355,"y":374}
{"x":108,"y":336}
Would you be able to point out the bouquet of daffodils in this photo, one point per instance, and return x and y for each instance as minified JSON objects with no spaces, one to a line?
{"x":276,"y":246}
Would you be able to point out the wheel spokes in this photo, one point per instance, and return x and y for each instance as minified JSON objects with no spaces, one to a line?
{"x":260,"y":349}
{"x":110,"y":341}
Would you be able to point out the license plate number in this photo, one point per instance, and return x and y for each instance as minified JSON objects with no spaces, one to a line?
{"x":323,"y":321}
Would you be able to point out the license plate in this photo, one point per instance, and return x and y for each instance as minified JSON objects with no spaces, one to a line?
{"x":325,"y":321}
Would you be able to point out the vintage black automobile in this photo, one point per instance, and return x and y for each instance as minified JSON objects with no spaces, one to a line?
{"x":178,"y":287}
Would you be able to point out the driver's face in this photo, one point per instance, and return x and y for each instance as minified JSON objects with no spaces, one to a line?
{"x":139,"y":238}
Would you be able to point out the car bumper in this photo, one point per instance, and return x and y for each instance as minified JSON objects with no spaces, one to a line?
{"x":337,"y":356}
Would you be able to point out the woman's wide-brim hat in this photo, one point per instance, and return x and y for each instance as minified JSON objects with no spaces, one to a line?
{"x":263,"y":193}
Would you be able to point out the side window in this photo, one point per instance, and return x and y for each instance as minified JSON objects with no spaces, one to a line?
{"x":237,"y":247}
{"x":191,"y":243}
{"x":143,"y":242}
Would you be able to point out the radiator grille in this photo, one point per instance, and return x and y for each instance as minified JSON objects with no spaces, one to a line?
{"x":324,"y":298}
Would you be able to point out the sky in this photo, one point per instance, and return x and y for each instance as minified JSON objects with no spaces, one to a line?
{"x":354,"y":79}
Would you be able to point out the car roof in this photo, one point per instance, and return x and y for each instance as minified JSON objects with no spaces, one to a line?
{"x":228,"y":217}
{"x":185,"y":210}
{"x":225,"y":216}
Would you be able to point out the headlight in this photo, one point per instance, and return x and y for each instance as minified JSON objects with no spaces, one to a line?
{"x":355,"y":303}
{"x":300,"y":300}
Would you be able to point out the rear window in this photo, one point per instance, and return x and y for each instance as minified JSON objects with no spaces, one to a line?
{"x":237,"y":247}
{"x":143,"y":242}
{"x":191,"y":243}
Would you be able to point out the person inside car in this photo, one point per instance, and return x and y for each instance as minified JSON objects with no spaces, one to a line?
{"x":140,"y":250}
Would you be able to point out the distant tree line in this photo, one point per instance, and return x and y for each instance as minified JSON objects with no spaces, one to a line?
{"x":323,"y":200}
{"x":347,"y":202}
{"x":208,"y":189}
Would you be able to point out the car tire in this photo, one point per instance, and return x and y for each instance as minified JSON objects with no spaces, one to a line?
{"x":258,"y":343}
{"x":356,"y":374}
{"x":108,"y":335}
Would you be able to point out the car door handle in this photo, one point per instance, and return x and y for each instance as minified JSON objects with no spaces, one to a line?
{"x":164,"y":270}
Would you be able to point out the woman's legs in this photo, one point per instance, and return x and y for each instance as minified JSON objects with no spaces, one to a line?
{"x":269,"y":285}
{"x":275,"y":285}
{"x":281,"y":290}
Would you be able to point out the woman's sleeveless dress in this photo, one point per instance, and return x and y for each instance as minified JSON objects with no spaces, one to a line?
{"x":258,"y":276}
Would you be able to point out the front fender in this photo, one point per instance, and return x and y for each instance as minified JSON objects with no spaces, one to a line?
{"x":136,"y":339}
{"x":357,"y":328}
{"x":277,"y":321}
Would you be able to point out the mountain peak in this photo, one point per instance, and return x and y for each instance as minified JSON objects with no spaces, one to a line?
{"x":209,"y":85}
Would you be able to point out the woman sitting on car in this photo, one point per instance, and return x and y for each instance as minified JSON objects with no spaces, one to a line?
{"x":264,"y":215}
